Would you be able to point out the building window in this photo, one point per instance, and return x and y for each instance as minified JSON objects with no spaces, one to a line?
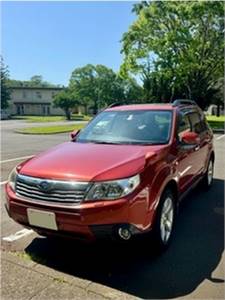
{"x":38,"y":94}
{"x":24,"y":94}
{"x":45,"y":110}
{"x":20,"y":109}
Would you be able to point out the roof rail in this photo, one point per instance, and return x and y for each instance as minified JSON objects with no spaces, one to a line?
{"x":115,"y":104}
{"x":183,"y":102}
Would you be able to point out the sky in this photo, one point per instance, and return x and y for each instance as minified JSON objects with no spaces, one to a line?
{"x":53,"y":38}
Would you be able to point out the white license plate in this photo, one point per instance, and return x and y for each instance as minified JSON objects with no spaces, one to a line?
{"x":42,"y":218}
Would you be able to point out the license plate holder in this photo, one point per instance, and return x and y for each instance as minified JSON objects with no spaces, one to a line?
{"x":43,"y":219}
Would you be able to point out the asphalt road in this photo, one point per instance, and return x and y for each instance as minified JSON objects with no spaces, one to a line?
{"x":193,"y":266}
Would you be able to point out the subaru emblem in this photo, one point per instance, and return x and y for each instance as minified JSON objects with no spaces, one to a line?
{"x":44,"y":186}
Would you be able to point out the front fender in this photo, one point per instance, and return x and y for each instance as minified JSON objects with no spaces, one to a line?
{"x":163,"y":177}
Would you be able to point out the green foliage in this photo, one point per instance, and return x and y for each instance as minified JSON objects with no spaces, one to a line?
{"x":5,"y":90}
{"x":132,"y":92}
{"x":66,"y":101}
{"x":177,"y":49}
{"x":35,"y":81}
{"x":98,"y":86}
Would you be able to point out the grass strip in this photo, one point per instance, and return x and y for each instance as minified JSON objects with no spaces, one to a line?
{"x":216,"y":122}
{"x":46,"y":119}
{"x":50,"y":129}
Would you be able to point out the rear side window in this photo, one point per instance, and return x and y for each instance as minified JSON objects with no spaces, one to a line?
{"x":183,"y":125}
{"x":204,"y":123}
{"x":196,"y":123}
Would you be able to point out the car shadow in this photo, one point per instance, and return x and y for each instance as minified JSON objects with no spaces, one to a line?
{"x":135,"y":268}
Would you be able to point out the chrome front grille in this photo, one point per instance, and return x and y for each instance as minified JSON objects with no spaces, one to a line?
{"x":51,"y":190}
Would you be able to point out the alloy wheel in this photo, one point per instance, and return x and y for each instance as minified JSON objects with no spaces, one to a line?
{"x":210,"y":173}
{"x":166,"y":221}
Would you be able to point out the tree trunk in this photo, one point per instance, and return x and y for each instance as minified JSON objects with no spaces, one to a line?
{"x":95,"y":107}
{"x":218,"y":110}
{"x":86,"y":109}
{"x":189,"y":92}
{"x":68,"y":114}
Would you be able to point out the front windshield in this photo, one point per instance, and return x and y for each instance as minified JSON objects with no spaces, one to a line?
{"x":128,"y":127}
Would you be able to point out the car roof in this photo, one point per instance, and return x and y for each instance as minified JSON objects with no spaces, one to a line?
{"x":152,"y":106}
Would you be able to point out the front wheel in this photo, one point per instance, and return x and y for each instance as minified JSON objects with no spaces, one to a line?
{"x":164,"y":225}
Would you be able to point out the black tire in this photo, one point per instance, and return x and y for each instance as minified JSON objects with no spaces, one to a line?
{"x":207,"y":179}
{"x":160,"y":243}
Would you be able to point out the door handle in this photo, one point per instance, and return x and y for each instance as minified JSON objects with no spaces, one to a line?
{"x":197,"y":148}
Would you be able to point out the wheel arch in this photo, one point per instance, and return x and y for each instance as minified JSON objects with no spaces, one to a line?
{"x":172,"y":185}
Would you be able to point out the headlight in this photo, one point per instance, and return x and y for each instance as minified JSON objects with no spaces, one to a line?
{"x":12,"y":179}
{"x":110,"y":190}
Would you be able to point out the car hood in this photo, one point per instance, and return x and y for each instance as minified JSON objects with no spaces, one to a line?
{"x":88,"y":162}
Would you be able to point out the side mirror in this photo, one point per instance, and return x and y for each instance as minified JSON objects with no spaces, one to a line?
{"x":74,"y":134}
{"x":190,"y":138}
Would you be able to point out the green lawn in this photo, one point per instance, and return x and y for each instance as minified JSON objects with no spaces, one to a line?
{"x":37,"y":119}
{"x":216,"y":122}
{"x":50,"y":129}
{"x":215,"y":118}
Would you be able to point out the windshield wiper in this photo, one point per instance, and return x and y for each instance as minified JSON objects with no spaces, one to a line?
{"x":121,"y":143}
{"x":101,"y":142}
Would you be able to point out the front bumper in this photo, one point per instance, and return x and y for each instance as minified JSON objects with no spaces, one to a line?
{"x":86,"y":220}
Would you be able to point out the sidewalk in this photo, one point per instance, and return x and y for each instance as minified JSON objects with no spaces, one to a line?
{"x":23,"y":279}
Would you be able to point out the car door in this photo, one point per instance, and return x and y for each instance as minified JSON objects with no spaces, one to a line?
{"x":185,"y":154}
{"x":201,"y":150}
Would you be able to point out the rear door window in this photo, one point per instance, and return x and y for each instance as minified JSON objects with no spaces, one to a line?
{"x":196,"y":123}
{"x":204,"y":124}
{"x":183,"y":125}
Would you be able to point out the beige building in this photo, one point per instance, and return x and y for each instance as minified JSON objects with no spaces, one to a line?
{"x":34,"y":101}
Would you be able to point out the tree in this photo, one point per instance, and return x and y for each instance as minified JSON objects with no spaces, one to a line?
{"x":99,"y":86}
{"x":93,"y":85}
{"x":5,"y":90}
{"x":180,"y":45}
{"x":35,"y":81}
{"x":83,"y":85}
{"x":128,"y":91}
{"x":219,"y":95}
{"x":65,"y":101}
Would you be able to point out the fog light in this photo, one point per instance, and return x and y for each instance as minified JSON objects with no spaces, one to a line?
{"x":124,"y":233}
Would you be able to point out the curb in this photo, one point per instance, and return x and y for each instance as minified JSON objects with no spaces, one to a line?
{"x":18,"y":241}
{"x":218,"y":130}
{"x":47,"y":133}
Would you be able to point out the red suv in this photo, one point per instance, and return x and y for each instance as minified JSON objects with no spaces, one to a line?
{"x":124,"y":174}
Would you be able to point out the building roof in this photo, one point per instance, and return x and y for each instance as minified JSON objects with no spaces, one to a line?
{"x":36,"y":88}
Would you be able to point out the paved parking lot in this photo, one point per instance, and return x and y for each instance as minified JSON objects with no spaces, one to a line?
{"x":15,"y":146}
{"x":193,"y":267}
